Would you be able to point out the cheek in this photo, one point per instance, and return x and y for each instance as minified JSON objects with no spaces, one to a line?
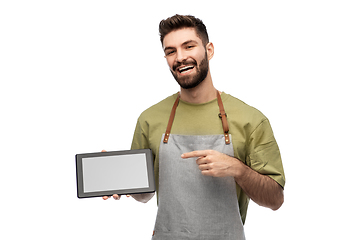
{"x":200,"y":56}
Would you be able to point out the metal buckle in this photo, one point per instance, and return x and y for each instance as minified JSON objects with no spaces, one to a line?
{"x":220,"y":115}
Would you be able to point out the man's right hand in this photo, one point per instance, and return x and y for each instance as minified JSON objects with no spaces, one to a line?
{"x":115,"y":196}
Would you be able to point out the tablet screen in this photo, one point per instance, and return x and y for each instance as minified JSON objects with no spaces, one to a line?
{"x":120,"y":172}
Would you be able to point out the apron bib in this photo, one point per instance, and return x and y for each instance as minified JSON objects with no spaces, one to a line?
{"x":192,"y":206}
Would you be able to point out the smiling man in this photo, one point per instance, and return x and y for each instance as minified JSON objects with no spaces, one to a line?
{"x":187,"y":73}
{"x":212,"y":152}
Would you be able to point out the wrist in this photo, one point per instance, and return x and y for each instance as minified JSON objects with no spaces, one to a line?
{"x":239,"y":168}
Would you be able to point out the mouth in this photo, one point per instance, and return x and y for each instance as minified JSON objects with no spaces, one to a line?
{"x":185,"y":69}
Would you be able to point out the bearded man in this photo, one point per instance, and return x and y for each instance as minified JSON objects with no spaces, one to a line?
{"x":212,"y":152}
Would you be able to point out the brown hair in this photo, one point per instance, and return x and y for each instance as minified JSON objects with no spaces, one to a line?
{"x":177,"y":22}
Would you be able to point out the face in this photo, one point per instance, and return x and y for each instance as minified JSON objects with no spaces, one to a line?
{"x":187,"y":57}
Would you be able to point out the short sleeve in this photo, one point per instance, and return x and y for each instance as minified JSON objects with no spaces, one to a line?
{"x":140,"y":140}
{"x":264,"y":154}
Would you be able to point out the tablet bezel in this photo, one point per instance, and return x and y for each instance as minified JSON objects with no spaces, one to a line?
{"x":80,"y":181}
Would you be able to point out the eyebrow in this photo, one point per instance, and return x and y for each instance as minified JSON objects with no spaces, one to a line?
{"x":183,"y":44}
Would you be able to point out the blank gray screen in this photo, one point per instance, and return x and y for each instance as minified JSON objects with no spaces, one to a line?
{"x":115,"y":172}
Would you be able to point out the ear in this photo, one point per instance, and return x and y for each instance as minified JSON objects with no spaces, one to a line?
{"x":210,"y":50}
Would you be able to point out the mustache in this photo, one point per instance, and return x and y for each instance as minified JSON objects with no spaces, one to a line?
{"x":186,"y":62}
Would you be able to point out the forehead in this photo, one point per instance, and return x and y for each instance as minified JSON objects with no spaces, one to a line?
{"x":178,"y":37}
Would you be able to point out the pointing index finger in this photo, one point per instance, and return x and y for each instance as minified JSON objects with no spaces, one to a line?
{"x":194,"y":154}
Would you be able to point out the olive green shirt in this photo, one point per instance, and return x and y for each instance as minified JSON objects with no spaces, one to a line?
{"x":252,"y":137}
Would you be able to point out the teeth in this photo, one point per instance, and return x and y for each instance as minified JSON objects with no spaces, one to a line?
{"x":185,"y":68}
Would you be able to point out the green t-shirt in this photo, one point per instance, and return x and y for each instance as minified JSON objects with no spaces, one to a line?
{"x":252,"y":136}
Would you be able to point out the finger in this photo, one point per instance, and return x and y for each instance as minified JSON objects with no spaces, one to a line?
{"x":105,"y":197}
{"x":116,"y":197}
{"x":202,"y":153}
{"x":202,"y":160}
{"x":103,"y":150}
{"x":207,"y":173}
{"x":204,"y":167}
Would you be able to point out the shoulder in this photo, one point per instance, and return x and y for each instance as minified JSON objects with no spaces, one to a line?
{"x":159,"y":109}
{"x":244,"y":117}
{"x":242,"y":110}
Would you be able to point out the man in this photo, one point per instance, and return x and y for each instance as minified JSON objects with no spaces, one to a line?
{"x":212,"y":151}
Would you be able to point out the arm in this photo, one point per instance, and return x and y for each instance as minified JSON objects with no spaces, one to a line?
{"x":143,"y":197}
{"x":260,"y":188}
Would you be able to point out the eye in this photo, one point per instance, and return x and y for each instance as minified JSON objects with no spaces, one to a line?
{"x":189,"y":46}
{"x":169,"y":53}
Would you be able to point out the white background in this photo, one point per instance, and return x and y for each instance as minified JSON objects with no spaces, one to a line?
{"x":75,"y":75}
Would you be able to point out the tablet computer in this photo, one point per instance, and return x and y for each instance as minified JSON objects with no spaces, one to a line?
{"x":118,"y":172}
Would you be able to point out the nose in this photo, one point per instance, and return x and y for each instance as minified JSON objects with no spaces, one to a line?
{"x":180,"y":56}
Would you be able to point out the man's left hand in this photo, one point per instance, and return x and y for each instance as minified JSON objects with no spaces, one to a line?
{"x":215,"y":164}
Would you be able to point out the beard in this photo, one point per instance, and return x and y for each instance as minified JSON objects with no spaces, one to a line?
{"x":188,"y":82}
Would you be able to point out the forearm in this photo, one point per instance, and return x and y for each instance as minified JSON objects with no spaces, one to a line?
{"x":260,"y":188}
{"x":143,"y":197}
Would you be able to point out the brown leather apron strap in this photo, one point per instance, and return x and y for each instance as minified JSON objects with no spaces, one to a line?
{"x":224,"y":121}
{"x":222,"y":115}
{"x":171,"y":119}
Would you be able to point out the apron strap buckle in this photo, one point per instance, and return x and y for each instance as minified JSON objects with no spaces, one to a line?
{"x":222,"y":114}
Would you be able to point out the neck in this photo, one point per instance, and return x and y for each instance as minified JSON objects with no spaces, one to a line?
{"x":202,"y":93}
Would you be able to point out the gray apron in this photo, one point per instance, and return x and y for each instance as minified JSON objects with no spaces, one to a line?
{"x":192,"y":206}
